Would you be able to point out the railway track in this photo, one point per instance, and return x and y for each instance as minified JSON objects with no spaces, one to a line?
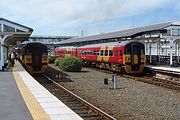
{"x":84,"y":109}
{"x":171,"y":82}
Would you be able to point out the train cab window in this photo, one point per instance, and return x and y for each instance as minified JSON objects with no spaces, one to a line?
{"x":127,"y":49}
{"x":28,"y":52}
{"x":106,"y":52}
{"x":120,"y":53}
{"x":110,"y":53}
{"x":142,"y":49}
{"x":102,"y":51}
{"x":116,"y":53}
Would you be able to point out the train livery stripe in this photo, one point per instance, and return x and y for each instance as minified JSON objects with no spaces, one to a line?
{"x":34,"y":107}
{"x":104,"y":58}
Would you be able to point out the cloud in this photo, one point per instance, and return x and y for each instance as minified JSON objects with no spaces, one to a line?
{"x":69,"y":14}
{"x":101,"y":10}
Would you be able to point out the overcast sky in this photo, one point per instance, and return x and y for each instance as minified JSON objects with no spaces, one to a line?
{"x":70,"y":17}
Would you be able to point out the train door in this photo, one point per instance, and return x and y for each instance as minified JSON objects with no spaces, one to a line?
{"x":36,"y":57}
{"x":135,"y":55}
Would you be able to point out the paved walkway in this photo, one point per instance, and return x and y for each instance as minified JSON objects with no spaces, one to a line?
{"x":12,"y":106}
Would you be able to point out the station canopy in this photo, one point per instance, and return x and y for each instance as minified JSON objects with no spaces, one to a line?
{"x":120,"y":34}
{"x":11,"y":32}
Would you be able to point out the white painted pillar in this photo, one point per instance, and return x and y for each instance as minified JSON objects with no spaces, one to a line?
{"x":171,"y":50}
{"x":5,"y":54}
{"x":1,"y":54}
{"x":157,"y":51}
{"x":175,"y":48}
{"x":150,"y":56}
{"x":178,"y":50}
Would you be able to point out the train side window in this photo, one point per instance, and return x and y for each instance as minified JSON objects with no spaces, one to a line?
{"x":110,"y":53}
{"x":97,"y":52}
{"x":94,"y":52}
{"x":106,"y":52}
{"x":102,"y":51}
{"x":116,"y":53}
{"x":120,"y":53}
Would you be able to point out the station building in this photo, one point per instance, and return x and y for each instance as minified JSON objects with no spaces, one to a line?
{"x":11,"y":33}
{"x":162,"y":41}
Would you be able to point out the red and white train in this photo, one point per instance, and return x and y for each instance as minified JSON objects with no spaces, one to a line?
{"x":128,"y":56}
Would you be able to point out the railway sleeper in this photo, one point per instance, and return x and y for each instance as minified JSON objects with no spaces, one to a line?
{"x":90,"y":116}
{"x":75,"y":105}
{"x":78,"y":108}
{"x":82,"y":112}
{"x":67,"y":100}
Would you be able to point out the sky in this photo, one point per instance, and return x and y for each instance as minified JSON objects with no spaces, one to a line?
{"x":71,"y":17}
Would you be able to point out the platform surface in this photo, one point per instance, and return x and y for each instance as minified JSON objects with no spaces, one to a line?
{"x":164,"y":67}
{"x":23,"y":98}
{"x":12,"y":105}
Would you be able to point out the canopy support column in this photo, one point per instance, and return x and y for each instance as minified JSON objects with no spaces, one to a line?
{"x":150,"y":56}
{"x":1,"y":54}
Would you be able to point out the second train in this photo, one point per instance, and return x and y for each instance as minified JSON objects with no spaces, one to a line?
{"x":124,"y":56}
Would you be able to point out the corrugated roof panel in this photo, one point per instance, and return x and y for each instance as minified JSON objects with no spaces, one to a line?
{"x":122,"y":33}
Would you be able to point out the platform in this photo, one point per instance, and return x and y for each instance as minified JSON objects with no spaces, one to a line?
{"x":175,"y":70}
{"x":23,"y":98}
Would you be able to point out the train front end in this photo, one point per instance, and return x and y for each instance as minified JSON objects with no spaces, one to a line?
{"x":134,"y":57}
{"x":35,"y":58}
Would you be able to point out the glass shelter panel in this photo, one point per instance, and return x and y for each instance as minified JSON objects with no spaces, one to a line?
{"x":8,"y":29}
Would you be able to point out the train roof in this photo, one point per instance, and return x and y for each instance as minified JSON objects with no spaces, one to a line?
{"x":120,"y":43}
{"x":66,"y":47}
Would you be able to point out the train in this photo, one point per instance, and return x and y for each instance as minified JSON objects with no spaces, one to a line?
{"x":123,"y":56}
{"x":34,"y":57}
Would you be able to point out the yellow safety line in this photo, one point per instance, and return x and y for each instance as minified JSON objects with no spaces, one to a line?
{"x":34,"y":107}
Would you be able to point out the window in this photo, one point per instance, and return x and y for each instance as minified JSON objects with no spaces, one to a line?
{"x":127,"y":49}
{"x":97,"y":52}
{"x":116,"y":53}
{"x":94,"y":52}
{"x":102,"y":51}
{"x":110,"y":53}
{"x":90,"y":52}
{"x":8,"y":29}
{"x":120,"y":53}
{"x":106,"y":52}
{"x":175,"y":32}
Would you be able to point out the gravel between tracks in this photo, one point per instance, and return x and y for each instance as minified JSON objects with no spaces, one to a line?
{"x":132,"y":100}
